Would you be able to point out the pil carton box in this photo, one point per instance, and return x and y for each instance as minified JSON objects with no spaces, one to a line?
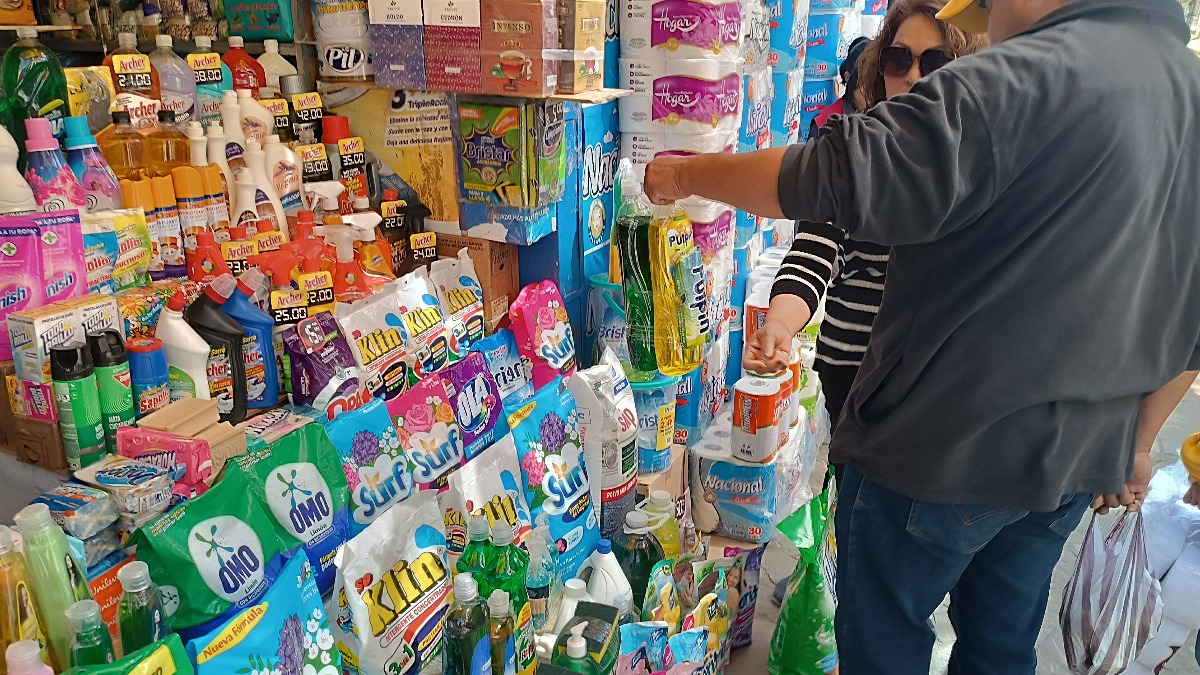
{"x":512,"y":152}
{"x":497,"y":267}
{"x":516,"y":36}
{"x":582,"y":39}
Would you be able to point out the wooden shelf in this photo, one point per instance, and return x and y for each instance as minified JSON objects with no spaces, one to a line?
{"x":40,"y":29}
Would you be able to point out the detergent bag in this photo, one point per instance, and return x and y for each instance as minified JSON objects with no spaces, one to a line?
{"x":377,"y":471}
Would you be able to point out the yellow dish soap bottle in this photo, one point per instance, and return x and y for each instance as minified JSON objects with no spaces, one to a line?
{"x":18,"y":617}
{"x":677,"y":280}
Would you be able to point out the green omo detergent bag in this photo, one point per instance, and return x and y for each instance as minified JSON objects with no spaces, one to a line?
{"x":212,"y":556}
{"x":165,"y":657}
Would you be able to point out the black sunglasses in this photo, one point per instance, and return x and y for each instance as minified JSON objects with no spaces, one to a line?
{"x":897,"y":61}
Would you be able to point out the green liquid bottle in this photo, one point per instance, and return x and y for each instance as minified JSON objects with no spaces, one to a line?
{"x":78,"y":402}
{"x":474,"y":556}
{"x":507,"y":567}
{"x":140,"y":613}
{"x":91,"y":645}
{"x":35,"y":83}
{"x":638,"y":552}
{"x":468,"y":648}
{"x":501,"y":631}
{"x":113,"y":384}
{"x":53,"y":573}
{"x":576,"y":658}
{"x":632,"y":232}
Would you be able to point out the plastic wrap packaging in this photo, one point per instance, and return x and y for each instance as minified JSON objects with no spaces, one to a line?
{"x":696,"y":96}
{"x":80,"y":510}
{"x":804,"y":642}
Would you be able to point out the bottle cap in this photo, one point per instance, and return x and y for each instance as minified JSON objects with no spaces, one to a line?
{"x":576,"y":589}
{"x":83,"y":614}
{"x":362,"y":204}
{"x":390,"y":195}
{"x":221,"y":288}
{"x":576,"y":645}
{"x":621,"y":602}
{"x":661,"y":498}
{"x":477,"y":528}
{"x":203,"y":43}
{"x":6,"y":542}
{"x":604,"y":547}
{"x":194,"y":129}
{"x":290,"y":85}
{"x":466,"y":588}
{"x":636,"y":522}
{"x":108,"y":349}
{"x":266,"y":93}
{"x":143,"y":345}
{"x":264,"y":225}
{"x":177,"y":301}
{"x":70,"y":362}
{"x":253,"y":146}
{"x":24,"y":656}
{"x":250,"y":281}
{"x":498,"y":603}
{"x":215,"y":129}
{"x":307,"y":137}
{"x":38,"y":135}
{"x":271,"y":45}
{"x":127,"y":40}
{"x":334,"y":128}
{"x":244,"y":94}
{"x":78,"y":133}
{"x":236,"y":41}
{"x":229,"y":97}
{"x":120,"y":117}
{"x":273,"y":139}
{"x":502,"y":534}
{"x":238,"y":233}
{"x":134,"y":576}
{"x":27,"y":32}
{"x":162,"y":40}
{"x":166,"y":116}
{"x":33,"y":518}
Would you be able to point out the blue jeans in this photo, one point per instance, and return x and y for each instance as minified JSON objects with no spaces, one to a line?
{"x":898,"y":558}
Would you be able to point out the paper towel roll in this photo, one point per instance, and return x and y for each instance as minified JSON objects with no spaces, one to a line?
{"x":681,"y":95}
{"x":681,"y":28}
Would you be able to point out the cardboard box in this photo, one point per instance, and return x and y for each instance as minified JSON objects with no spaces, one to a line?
{"x":510,"y":224}
{"x":497,"y":267}
{"x":40,"y":443}
{"x":512,"y":152}
{"x":186,"y":417}
{"x":19,"y":13}
{"x":674,"y":480}
{"x":582,"y":37}
{"x":516,"y":36}
{"x":225,"y":442}
{"x":6,"y":409}
{"x":97,"y":313}
{"x":34,"y":331}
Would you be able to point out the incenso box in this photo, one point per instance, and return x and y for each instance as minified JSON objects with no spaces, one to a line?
{"x":516,"y":36}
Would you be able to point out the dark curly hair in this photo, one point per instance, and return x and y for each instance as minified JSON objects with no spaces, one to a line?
{"x":957,"y":41}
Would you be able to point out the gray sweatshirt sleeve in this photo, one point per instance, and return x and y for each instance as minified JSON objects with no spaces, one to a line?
{"x":913,"y":170}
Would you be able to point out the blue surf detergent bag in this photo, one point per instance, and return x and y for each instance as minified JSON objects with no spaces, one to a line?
{"x":378,"y":472}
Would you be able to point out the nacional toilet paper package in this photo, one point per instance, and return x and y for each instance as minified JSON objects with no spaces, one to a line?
{"x":815,"y":95}
{"x":785,"y":108}
{"x":755,"y":131}
{"x":681,"y":29}
{"x":695,"y":96}
{"x":829,"y":38}
{"x":789,"y":28}
{"x":641,"y":147}
{"x":756,"y":34}
{"x":731,"y":497}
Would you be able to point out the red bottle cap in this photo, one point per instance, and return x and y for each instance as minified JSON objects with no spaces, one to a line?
{"x":334,"y":128}
{"x":205,"y":238}
{"x":238,"y":233}
{"x":219,"y":289}
{"x":390,"y":195}
{"x":265,"y":225}
{"x":143,"y":345}
{"x":177,"y":301}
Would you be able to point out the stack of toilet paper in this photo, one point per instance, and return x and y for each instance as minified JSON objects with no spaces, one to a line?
{"x":872,"y":17}
{"x":832,"y":26}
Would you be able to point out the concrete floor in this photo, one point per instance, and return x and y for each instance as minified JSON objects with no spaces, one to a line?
{"x":780,"y":559}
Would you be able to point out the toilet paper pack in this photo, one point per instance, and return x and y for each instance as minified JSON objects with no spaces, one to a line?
{"x":730,"y":497}
{"x":789,"y":27}
{"x":641,"y":147}
{"x":871,"y":25}
{"x":755,"y":130}
{"x":828,"y":43}
{"x":756,"y":34}
{"x":684,"y":95}
{"x":681,"y":28}
{"x":815,"y":96}
{"x":785,"y":108}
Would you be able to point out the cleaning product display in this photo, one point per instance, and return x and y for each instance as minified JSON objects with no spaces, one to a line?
{"x":390,"y":380}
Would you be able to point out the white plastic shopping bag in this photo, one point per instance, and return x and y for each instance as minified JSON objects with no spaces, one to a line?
{"x":1112,"y":605}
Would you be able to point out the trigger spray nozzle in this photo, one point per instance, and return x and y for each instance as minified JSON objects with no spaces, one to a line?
{"x":320,"y":191}
{"x":342,"y":238}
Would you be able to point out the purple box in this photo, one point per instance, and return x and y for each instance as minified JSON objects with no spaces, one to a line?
{"x":399,"y":56}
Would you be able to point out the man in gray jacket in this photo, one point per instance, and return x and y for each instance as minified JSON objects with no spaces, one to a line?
{"x":1041,"y":317}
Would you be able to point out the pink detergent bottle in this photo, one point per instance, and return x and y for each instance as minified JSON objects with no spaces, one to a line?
{"x":54,"y":186}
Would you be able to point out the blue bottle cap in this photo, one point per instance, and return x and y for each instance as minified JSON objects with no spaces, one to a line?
{"x":604,"y":547}
{"x":78,"y":133}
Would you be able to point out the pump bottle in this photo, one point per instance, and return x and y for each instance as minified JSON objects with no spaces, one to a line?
{"x":375,"y":255}
{"x":576,"y":657}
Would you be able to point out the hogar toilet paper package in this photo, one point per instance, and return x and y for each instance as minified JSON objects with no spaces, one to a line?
{"x":828,"y":42}
{"x":641,"y":147}
{"x":785,"y":107}
{"x":789,"y":27}
{"x":681,"y":29}
{"x":695,"y":96}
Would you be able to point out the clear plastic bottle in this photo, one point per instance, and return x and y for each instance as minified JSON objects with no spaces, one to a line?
{"x":468,"y":649}
{"x":18,"y":615}
{"x":166,"y":147}
{"x":539,"y":580}
{"x":506,"y":565}
{"x":274,"y":65}
{"x":57,"y":580}
{"x":135,"y":80}
{"x":474,"y":556}
{"x":637,"y":552}
{"x":123,"y":147}
{"x":502,"y":634}
{"x":217,"y":79}
{"x":680,"y":307}
{"x":140,"y":613}
{"x":247,"y":74}
{"x":660,"y":511}
{"x":631,"y":230}
{"x":35,"y":83}
{"x":176,"y":79}
{"x":91,"y":644}
{"x":25,"y":657}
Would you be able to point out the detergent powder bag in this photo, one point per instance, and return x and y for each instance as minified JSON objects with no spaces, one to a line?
{"x":131,"y":266}
{"x":63,"y":266}
{"x":475,"y":399}
{"x":490,"y":484}
{"x":287,"y":632}
{"x":608,"y":425}
{"x":651,"y":637}
{"x":741,"y":578}
{"x":162,"y":657}
{"x":543,"y":332}
{"x":324,"y":372}
{"x":392,"y":592}
{"x":428,"y":432}
{"x":555,"y":476}
{"x":508,"y":367}
{"x":212,"y":556}
{"x":432,"y":346}
{"x":712,"y":612}
{"x":461,"y":296}
{"x":300,"y":482}
{"x":100,"y":255}
{"x":377,"y":471}
{"x":687,"y":653}
{"x":376,"y":333}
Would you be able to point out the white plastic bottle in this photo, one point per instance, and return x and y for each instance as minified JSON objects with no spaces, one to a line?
{"x":186,"y":352}
{"x":574,"y":593}
{"x":284,"y":171}
{"x":246,"y":212}
{"x":266,"y":201}
{"x":608,"y":582}
{"x":198,"y":143}
{"x":257,"y":122}
{"x":17,"y":197}
{"x":178,"y":82}
{"x":235,"y":140}
{"x":274,"y":65}
{"x":217,"y":144}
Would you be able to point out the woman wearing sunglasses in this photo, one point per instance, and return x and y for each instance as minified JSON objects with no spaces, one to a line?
{"x":912,"y":44}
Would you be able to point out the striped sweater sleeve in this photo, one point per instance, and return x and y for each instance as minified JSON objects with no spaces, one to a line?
{"x":809,"y":265}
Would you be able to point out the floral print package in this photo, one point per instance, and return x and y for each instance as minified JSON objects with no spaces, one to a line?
{"x":287,"y":632}
{"x":377,"y":470}
{"x":546,"y":431}
{"x":543,"y":332}
{"x":429,"y":432}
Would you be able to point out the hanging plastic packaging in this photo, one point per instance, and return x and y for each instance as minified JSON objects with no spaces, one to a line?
{"x":681,"y":322}
{"x":212,"y":556}
{"x":428,"y":432}
{"x":376,"y":332}
{"x":324,"y":373}
{"x":392,"y":592}
{"x":377,"y":471}
{"x":426,"y":336}
{"x":543,"y":332}
{"x":290,"y":632}
{"x":490,"y":484}
{"x":555,"y":475}
{"x":507,"y":366}
{"x":461,"y":296}
{"x":300,"y":481}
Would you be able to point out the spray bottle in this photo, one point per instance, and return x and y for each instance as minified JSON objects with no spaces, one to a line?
{"x":266,"y":201}
{"x":350,"y":282}
{"x":224,"y":335}
{"x":267,"y":238}
{"x":261,"y":364}
{"x":168,"y":229}
{"x":375,"y":255}
{"x":113,"y":383}
{"x":239,"y":249}
{"x":323,"y":198}
{"x":186,"y":352}
{"x":280,"y":267}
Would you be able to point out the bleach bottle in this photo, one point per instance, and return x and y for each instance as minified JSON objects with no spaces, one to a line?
{"x":258,"y":352}
{"x":223,"y":333}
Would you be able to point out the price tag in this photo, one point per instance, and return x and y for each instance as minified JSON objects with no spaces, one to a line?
{"x":424,"y":246}
{"x":393,"y":214}
{"x":207,"y":68}
{"x":353,"y":166}
{"x":320,"y":296}
{"x":279,"y":108}
{"x":314,"y":163}
{"x":132,"y":73}
{"x":308,"y":110}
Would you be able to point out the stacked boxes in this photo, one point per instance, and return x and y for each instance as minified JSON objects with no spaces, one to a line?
{"x":398,"y":38}
{"x":581,"y":66}
{"x":453,"y":34}
{"x":517,"y":34}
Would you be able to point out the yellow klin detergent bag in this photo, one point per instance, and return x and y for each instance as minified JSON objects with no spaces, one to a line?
{"x":392,"y":590}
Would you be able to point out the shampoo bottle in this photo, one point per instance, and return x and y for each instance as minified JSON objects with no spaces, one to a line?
{"x":55,"y":576}
{"x":18,"y":616}
{"x":24,"y":657}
